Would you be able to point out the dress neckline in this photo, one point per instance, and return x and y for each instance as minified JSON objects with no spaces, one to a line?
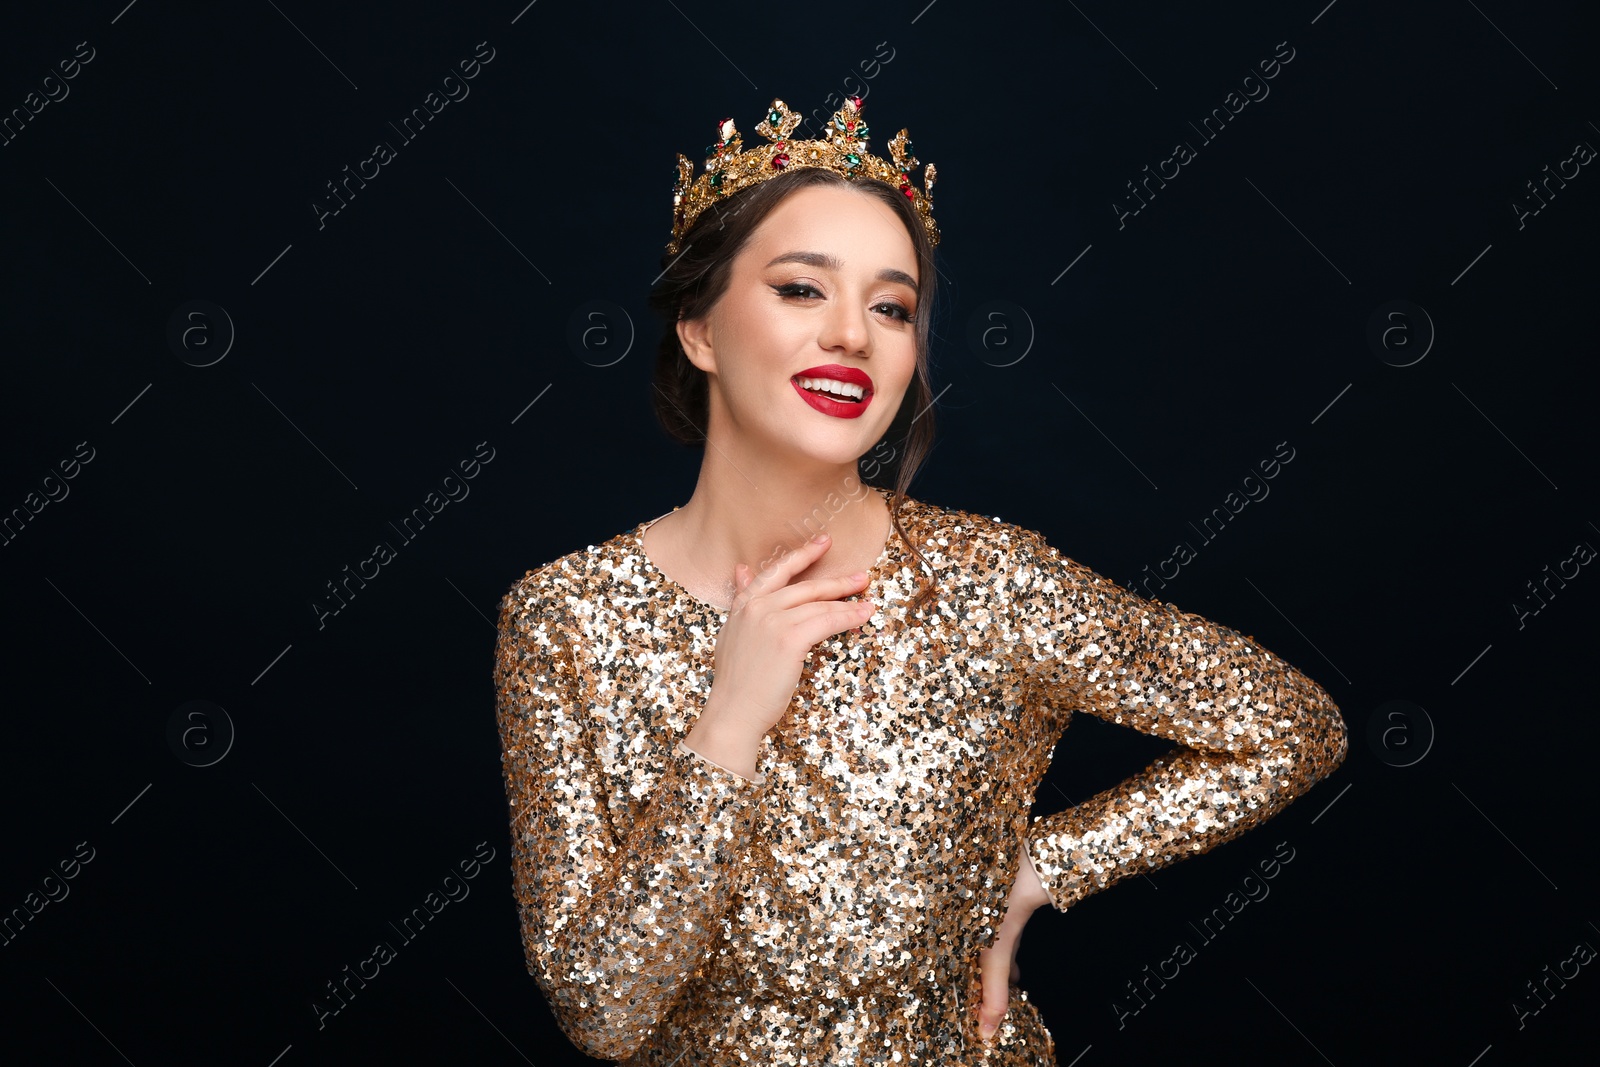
{"x":636,"y":536}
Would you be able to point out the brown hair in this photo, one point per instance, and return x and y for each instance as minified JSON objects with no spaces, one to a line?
{"x":696,"y":278}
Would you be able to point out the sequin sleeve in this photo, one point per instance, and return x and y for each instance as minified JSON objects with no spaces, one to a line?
{"x":1254,"y":732}
{"x":620,"y":889}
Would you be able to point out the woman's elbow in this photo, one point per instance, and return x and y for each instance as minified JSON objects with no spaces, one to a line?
{"x":599,"y":1019}
{"x":1331,"y":736}
{"x":1316,"y":744}
{"x":595,"y":1036}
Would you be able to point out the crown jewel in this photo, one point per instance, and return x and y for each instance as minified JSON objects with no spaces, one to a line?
{"x":843,"y":150}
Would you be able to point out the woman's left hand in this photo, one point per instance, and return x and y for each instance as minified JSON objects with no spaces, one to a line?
{"x":997,"y":964}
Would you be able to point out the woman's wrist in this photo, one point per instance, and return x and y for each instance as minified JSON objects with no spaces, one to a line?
{"x":725,"y":742}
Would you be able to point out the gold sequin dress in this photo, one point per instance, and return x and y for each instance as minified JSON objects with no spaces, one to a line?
{"x":831,"y":910}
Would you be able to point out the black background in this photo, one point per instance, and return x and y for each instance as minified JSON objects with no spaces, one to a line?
{"x":1120,"y":401}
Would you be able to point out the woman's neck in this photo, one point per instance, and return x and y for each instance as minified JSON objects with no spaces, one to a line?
{"x":756,"y":518}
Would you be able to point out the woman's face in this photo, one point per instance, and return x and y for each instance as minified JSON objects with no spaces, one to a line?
{"x":827,"y":284}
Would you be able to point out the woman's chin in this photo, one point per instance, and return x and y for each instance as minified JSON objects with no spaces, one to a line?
{"x":839,"y":449}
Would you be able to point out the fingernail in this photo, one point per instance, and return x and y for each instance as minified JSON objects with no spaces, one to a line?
{"x":988,"y":1029}
{"x":820,"y":538}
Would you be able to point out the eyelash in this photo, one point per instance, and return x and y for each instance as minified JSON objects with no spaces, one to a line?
{"x":800,"y":289}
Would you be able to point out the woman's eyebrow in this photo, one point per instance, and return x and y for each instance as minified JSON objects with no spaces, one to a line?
{"x":827,"y":261}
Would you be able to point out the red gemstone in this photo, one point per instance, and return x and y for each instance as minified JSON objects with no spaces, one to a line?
{"x":856,"y":102}
{"x":911,"y":193}
{"x":780,"y":160}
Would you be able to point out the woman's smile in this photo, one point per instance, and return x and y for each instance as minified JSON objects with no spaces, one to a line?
{"x":842,"y":392}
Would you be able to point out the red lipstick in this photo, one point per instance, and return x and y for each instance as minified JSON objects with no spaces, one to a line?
{"x":844,"y":407}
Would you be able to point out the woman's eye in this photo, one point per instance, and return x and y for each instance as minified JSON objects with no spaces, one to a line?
{"x":801,"y":289}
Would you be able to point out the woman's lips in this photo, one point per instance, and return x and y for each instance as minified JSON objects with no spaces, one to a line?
{"x":842,"y":409}
{"x":828,"y":405}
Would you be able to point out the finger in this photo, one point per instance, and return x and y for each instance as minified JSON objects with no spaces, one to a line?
{"x":812,"y":599}
{"x":994,"y":966}
{"x":791,"y":563}
{"x":815,"y":589}
{"x":815,"y":621}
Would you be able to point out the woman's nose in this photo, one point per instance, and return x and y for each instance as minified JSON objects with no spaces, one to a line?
{"x":846,"y":328}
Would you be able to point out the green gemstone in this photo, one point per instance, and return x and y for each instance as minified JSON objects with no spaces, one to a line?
{"x":774,"y":117}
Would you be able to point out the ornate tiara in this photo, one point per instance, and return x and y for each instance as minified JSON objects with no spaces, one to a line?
{"x":843,"y":150}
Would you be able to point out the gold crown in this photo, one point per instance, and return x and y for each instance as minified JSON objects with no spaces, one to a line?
{"x":843,"y":150}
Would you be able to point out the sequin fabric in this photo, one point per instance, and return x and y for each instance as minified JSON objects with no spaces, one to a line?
{"x":831,"y":910}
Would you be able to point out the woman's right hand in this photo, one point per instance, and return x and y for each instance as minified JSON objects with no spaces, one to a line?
{"x":772,"y":624}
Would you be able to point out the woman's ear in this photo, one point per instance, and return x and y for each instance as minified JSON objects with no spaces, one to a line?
{"x":695,"y":337}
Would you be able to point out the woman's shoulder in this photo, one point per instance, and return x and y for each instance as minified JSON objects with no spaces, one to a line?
{"x":988,"y":552}
{"x":574,"y":577}
{"x":956,"y":530}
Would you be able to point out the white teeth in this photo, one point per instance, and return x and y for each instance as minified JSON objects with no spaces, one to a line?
{"x":830,"y":385}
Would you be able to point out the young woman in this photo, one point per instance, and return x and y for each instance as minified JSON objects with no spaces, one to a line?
{"x":770,"y":756}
